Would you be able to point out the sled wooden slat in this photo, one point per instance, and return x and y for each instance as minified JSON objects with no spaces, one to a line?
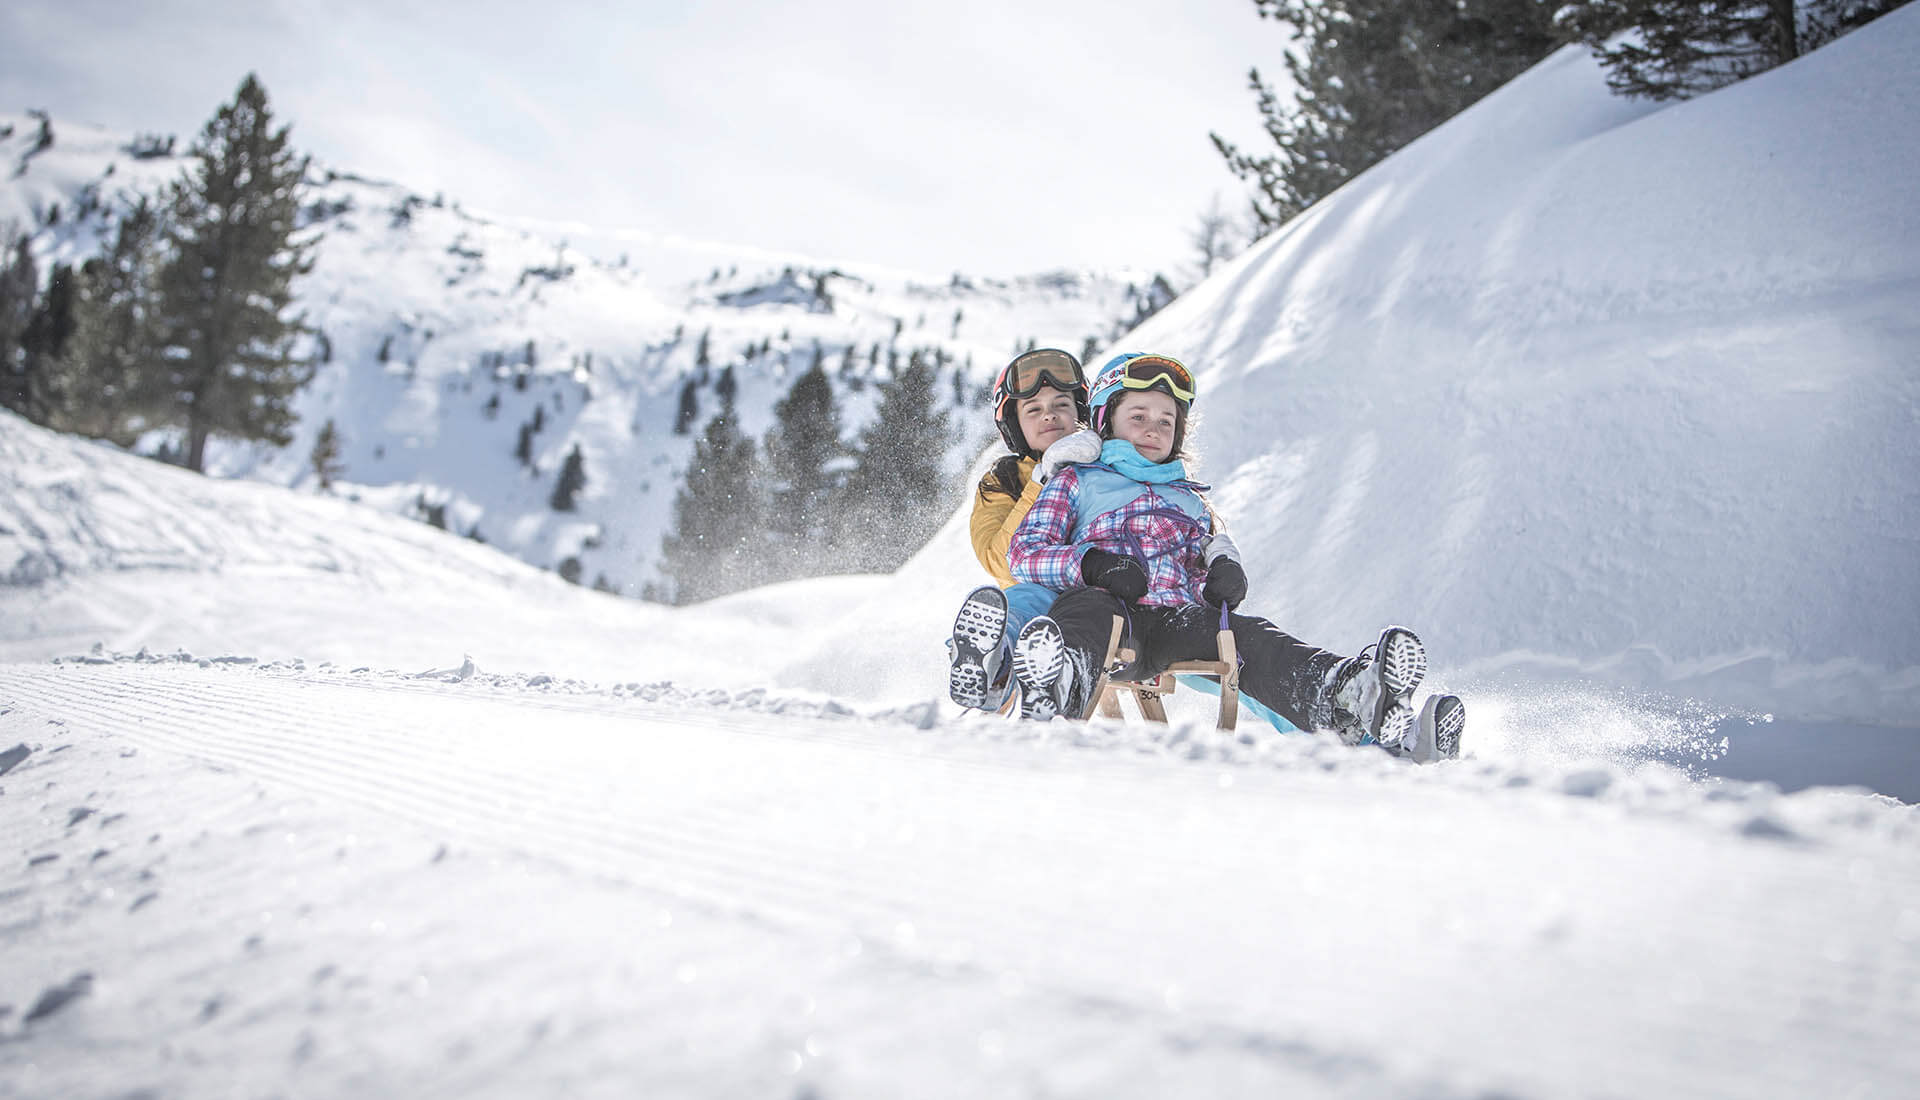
{"x":1146,"y":693}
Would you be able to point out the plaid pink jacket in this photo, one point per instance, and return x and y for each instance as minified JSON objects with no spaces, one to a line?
{"x":1157,"y":526}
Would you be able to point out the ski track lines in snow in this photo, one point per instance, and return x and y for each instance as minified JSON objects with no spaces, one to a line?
{"x":1180,"y":900}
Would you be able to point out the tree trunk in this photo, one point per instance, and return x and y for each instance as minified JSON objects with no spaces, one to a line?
{"x":196,"y":443}
{"x":1785,"y":31}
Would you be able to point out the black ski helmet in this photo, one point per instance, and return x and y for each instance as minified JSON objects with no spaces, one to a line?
{"x":1023,"y":377}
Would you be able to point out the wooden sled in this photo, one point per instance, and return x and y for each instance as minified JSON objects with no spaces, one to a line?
{"x":1146,"y":693}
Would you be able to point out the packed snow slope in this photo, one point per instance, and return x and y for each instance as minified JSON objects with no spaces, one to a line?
{"x":278,"y":880}
{"x":1586,"y":387}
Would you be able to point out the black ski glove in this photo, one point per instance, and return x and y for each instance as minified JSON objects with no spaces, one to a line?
{"x":1226,"y":583}
{"x":1119,"y":574}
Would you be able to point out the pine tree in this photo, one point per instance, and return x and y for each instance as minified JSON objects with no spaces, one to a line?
{"x":19,"y":289}
{"x":43,"y":343}
{"x":895,"y":496}
{"x":227,"y":286}
{"x":325,"y":457}
{"x":1370,"y":76}
{"x":689,"y":408}
{"x":714,"y":546}
{"x":573,"y":478}
{"x":802,"y":448}
{"x":1666,"y":49}
{"x":111,"y":359}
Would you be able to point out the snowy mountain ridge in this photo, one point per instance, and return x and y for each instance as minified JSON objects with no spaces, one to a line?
{"x":445,"y":333}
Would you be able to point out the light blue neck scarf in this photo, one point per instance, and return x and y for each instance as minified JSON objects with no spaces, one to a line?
{"x":1125,"y":458}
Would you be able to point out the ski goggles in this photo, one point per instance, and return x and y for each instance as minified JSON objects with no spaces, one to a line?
{"x":1024,"y":376}
{"x":1157,"y":372}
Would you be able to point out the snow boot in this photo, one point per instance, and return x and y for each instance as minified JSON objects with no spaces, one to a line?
{"x":1371,"y":696}
{"x":1053,"y":677}
{"x":1039,"y":657}
{"x":1436,"y":733}
{"x":1440,"y":726}
{"x":978,"y":675}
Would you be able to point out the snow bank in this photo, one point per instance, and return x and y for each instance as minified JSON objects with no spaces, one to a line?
{"x":99,"y":547}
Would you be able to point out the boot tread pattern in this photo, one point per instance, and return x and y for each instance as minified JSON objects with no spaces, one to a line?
{"x":977,"y":631}
{"x":1394,"y":726}
{"x":1037,"y":659}
{"x":1449,"y":722}
{"x":980,"y":623}
{"x":1403,"y":664}
{"x":967,"y":684}
{"x":1403,"y":661}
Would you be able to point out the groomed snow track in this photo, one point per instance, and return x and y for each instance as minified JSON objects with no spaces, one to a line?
{"x":310,"y":882}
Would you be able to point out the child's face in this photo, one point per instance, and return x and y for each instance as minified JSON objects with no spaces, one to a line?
{"x":1146,"y":419}
{"x":1046,"y":416}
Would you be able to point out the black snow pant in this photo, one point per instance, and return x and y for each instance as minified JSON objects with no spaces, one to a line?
{"x":1284,"y":673}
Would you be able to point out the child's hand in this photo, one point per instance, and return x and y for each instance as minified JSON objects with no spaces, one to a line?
{"x":1081,"y":446}
{"x":1119,"y":574}
{"x":1226,"y":583}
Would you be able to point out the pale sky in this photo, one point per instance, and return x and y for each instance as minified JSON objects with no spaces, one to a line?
{"x":996,"y":137}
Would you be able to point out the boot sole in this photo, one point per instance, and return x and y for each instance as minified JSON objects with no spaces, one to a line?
{"x":1403,"y":664}
{"x":1447,"y":716}
{"x":979,"y":629}
{"x":1039,"y":654}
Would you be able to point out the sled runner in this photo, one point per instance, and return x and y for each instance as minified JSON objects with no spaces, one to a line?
{"x":1146,"y":693}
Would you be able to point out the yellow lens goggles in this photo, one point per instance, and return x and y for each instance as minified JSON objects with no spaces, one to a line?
{"x":1159,"y":372}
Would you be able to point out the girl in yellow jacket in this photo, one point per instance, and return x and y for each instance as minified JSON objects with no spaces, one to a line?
{"x":1040,"y":406}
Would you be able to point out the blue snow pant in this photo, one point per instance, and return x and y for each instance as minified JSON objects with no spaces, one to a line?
{"x":1026,"y":602}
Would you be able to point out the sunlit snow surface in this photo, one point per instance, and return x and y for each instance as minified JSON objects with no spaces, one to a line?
{"x":301,"y":879}
{"x":317,"y":801}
